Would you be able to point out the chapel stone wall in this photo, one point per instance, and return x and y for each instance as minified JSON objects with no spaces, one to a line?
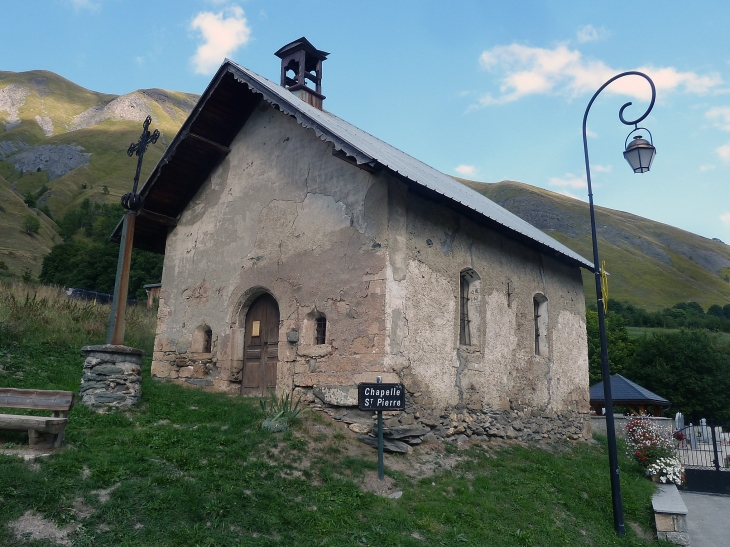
{"x":279,"y":215}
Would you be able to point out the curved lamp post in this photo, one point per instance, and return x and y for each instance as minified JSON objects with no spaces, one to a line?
{"x":640,"y":154}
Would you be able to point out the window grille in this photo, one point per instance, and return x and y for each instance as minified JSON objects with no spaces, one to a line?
{"x":320,"y":332}
{"x":537,"y":326}
{"x":464,"y":330}
{"x":541,"y":327}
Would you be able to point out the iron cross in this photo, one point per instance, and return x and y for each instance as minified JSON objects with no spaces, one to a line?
{"x":139,"y":148}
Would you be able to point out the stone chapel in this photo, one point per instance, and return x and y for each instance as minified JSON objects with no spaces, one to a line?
{"x":305,"y":255}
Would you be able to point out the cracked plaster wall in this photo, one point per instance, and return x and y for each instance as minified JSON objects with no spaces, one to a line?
{"x":430,"y":246}
{"x":282,"y":215}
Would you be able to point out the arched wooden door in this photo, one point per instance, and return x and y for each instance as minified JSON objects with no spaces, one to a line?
{"x":261,"y":346}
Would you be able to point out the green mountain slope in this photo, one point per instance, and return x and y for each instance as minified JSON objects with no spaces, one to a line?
{"x":651,"y":264}
{"x":69,"y":144}
{"x":18,"y":250}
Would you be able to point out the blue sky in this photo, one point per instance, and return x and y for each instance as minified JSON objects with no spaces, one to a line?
{"x":486,"y":90}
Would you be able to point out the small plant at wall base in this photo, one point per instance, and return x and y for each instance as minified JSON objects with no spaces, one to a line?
{"x":280,"y":413}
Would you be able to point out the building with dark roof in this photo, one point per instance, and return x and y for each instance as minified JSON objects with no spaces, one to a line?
{"x":303,"y":254}
{"x":624,"y":392}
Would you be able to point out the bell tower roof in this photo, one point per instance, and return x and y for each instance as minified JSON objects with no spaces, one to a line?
{"x":301,"y":66}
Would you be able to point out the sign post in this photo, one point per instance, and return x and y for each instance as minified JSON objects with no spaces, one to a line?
{"x":381,"y":471}
{"x":379,"y":397}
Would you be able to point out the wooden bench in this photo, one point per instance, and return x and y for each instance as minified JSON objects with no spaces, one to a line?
{"x":41,"y":429}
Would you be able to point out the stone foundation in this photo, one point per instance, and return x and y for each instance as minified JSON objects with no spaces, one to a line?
{"x":198,"y":369}
{"x":417,"y":424}
{"x":112,"y":376}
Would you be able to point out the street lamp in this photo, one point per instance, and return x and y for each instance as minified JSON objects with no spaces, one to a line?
{"x":640,"y":154}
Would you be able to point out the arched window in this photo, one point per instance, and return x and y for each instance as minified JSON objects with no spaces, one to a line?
{"x":469,"y":282}
{"x":539,"y":302}
{"x":320,"y":330}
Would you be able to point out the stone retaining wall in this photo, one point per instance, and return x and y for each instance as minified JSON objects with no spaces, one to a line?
{"x":414,"y":425}
{"x":598,"y":424}
{"x":112,"y":376}
{"x":670,"y":515}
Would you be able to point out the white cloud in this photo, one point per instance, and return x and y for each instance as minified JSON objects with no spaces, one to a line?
{"x":568,"y":181}
{"x":525,"y":70}
{"x":724,"y":152}
{"x":706,"y":167}
{"x":719,"y":116}
{"x":589,"y":33}
{"x":601,"y":168}
{"x":725,"y":218}
{"x":466,"y":170}
{"x":223,"y":33}
{"x":84,"y":4}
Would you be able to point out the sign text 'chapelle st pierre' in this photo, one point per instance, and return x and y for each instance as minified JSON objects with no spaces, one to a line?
{"x":381,"y":396}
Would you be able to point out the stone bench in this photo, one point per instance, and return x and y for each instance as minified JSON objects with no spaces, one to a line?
{"x":670,"y":515}
{"x":41,"y":429}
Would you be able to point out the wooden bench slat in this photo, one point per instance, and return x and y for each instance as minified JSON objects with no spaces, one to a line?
{"x":36,"y":423}
{"x":36,"y":399}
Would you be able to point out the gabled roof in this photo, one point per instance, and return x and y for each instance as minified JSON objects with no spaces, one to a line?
{"x":224,"y":108}
{"x":624,"y":390}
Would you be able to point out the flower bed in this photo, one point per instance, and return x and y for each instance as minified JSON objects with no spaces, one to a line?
{"x":654,"y":450}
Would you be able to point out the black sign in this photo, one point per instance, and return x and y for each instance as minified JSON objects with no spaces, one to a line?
{"x":381,"y":396}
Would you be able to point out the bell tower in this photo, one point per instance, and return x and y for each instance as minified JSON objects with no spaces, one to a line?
{"x":301,"y":68}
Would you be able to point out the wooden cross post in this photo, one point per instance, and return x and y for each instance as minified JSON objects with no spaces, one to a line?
{"x":132,"y":202}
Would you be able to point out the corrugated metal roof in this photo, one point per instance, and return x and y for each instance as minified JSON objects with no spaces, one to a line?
{"x":367,"y":149}
{"x":624,"y":390}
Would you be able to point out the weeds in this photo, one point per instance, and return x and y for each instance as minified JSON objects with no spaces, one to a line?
{"x":46,"y":314}
{"x":280,"y":412}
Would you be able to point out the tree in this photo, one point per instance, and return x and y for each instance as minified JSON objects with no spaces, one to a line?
{"x":91,"y":262}
{"x":30,"y":200}
{"x":689,"y":368}
{"x":715,"y":311}
{"x":31,"y":224}
{"x":620,"y":346}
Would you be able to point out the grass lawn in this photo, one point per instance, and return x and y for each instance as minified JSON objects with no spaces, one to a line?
{"x":192,"y":468}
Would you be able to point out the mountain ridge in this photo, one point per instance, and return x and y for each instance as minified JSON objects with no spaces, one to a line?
{"x":65,"y":144}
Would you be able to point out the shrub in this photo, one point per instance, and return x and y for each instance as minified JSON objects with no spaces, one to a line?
{"x":31,"y":224}
{"x":30,"y":200}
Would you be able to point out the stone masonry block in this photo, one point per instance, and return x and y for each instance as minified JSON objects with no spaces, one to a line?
{"x":160,"y":369}
{"x":337,"y":395}
{"x":185,"y":372}
{"x":678,"y":538}
{"x":665,"y":522}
